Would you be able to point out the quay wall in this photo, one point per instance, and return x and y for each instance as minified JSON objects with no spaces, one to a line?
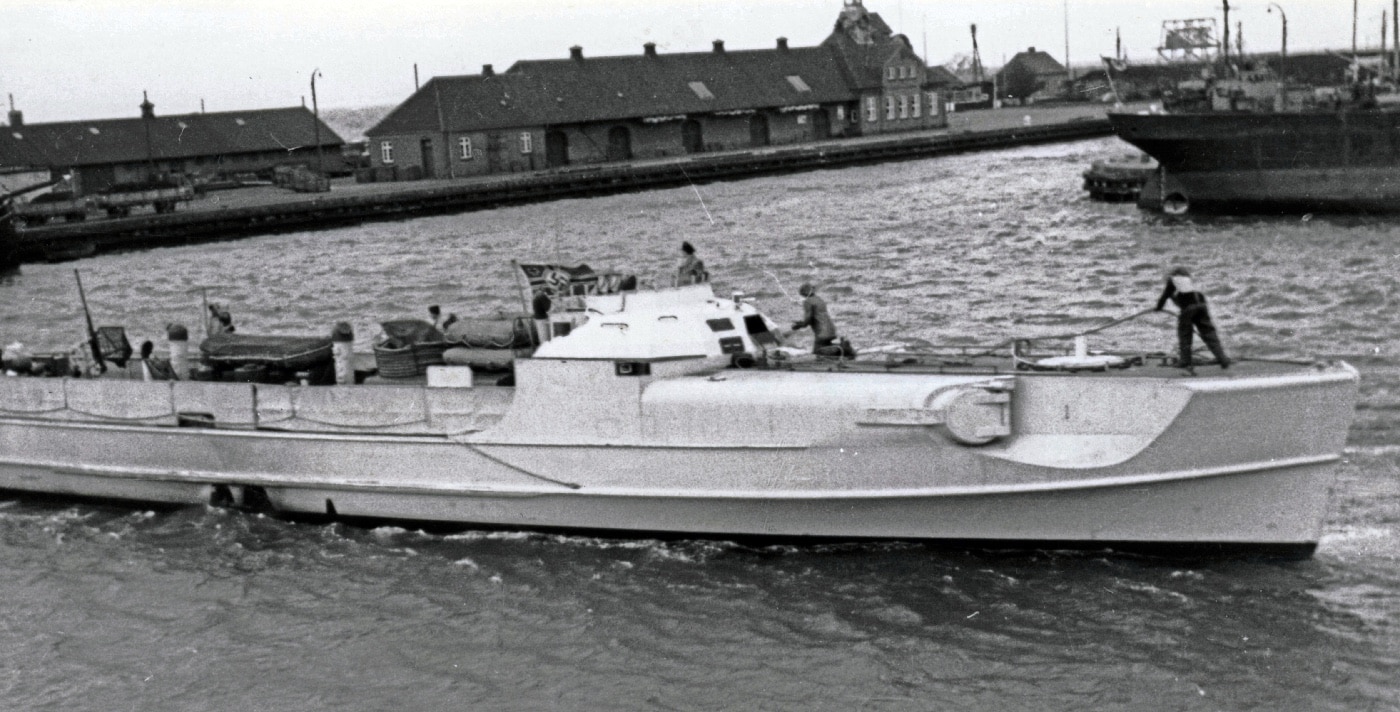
{"x":358,"y":203}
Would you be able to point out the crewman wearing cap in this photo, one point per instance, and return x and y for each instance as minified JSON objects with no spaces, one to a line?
{"x":815,"y":315}
{"x":1193,"y":316}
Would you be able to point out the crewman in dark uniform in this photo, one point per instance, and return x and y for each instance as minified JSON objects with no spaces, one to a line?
{"x":1193,"y":316}
{"x":692,"y":270}
{"x":815,"y":315}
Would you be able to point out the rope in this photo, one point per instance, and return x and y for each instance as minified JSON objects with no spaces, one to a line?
{"x":477,"y":449}
{"x":1070,"y":335}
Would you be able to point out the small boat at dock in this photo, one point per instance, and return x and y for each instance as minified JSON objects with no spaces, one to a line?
{"x":678,"y":412}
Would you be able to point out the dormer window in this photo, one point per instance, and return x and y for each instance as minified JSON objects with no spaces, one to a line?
{"x":798,"y":84}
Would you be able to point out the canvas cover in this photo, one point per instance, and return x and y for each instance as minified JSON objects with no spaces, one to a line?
{"x":293,"y":352}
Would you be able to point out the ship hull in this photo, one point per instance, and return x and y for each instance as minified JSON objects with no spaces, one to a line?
{"x":1288,"y":162}
{"x":1095,"y":460}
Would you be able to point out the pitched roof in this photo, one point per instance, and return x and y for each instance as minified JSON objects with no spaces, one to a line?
{"x":1038,"y":61}
{"x":940,"y":76}
{"x":563,"y":91}
{"x":106,"y":141}
{"x":865,"y":44}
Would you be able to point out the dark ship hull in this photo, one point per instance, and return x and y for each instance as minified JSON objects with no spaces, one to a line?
{"x":1222,"y":161}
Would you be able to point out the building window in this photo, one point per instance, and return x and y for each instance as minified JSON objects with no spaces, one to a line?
{"x":701,"y":90}
{"x":914,"y":106}
{"x":386,"y":152}
{"x":889,"y":108}
{"x":871,"y":112}
{"x":840,"y":113}
{"x":890,"y":74}
{"x":466,"y":145}
{"x":526,"y":139}
{"x":932,"y":103}
{"x":903,"y":107}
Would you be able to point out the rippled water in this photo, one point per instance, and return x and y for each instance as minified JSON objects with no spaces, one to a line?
{"x":110,"y":608}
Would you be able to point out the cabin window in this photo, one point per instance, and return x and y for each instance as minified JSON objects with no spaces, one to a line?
{"x":731,"y":345}
{"x":386,"y":152}
{"x":720,"y":324}
{"x":632,"y":368}
{"x":526,"y":142}
{"x":465,"y":144}
{"x":872,"y":113}
{"x":758,"y":331}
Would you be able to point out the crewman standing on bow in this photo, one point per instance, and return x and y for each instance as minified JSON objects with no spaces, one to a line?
{"x":1193,"y":316}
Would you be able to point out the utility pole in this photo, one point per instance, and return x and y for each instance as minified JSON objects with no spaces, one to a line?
{"x":1069,"y":68}
{"x":316,"y":121}
{"x":1225,"y":46}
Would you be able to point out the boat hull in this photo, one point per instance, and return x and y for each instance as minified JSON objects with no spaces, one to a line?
{"x":1340,"y":161}
{"x":1093,"y":461}
{"x":1280,"y":505}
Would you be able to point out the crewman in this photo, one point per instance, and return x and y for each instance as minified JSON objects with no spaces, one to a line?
{"x":692,"y":270}
{"x":815,"y":315}
{"x":1193,"y":315}
{"x":220,"y":321}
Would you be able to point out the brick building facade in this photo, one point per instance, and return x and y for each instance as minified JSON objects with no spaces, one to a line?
{"x":863,"y":79}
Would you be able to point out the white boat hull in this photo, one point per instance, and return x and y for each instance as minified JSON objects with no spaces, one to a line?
{"x":663,"y":436}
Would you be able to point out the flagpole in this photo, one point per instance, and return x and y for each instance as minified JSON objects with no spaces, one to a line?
{"x":526,"y":294}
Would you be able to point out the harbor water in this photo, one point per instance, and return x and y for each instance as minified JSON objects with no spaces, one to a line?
{"x":111,"y":607}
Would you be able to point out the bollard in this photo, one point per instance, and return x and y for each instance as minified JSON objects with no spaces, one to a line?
{"x":177,"y":339}
{"x":343,"y":353}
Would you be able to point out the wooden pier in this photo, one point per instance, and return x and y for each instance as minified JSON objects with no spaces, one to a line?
{"x":401,"y":200}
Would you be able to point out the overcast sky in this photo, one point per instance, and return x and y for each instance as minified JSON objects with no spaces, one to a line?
{"x":76,"y":59}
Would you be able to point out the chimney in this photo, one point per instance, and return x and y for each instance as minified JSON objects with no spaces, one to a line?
{"x":148,"y":110}
{"x":649,"y":49}
{"x":782,"y":43}
{"x":487,"y":70}
{"x":1031,"y":50}
{"x":576,"y":52}
{"x":719,"y":46}
{"x":16,"y":117}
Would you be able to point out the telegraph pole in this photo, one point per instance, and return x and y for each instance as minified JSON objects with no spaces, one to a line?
{"x":316,"y":120}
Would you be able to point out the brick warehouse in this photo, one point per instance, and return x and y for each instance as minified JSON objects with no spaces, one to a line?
{"x":862,"y":80}
{"x":101,"y":153}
